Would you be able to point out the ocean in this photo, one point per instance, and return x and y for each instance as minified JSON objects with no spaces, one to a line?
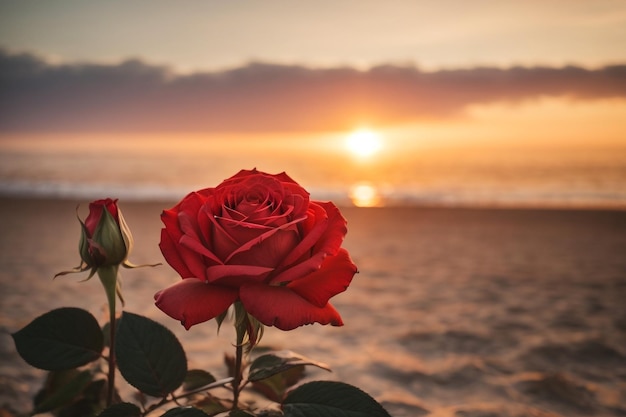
{"x":156,"y":168}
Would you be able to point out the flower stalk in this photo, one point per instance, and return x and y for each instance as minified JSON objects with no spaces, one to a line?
{"x":241,"y":330}
{"x":108,"y":277}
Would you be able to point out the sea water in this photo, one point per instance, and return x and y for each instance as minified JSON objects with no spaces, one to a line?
{"x":151,"y":167}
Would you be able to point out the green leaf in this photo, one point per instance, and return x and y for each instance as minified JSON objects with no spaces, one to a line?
{"x":331,"y":399}
{"x":197,"y":378}
{"x":121,"y":410}
{"x":275,"y":387}
{"x":149,"y":356}
{"x":212,"y":405}
{"x":106,"y":332}
{"x":184,"y":412}
{"x":61,"y":388}
{"x":276,"y":362}
{"x":64,"y":338}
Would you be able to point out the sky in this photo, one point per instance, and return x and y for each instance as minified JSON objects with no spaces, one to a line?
{"x":423,"y":78}
{"x":201,"y":35}
{"x":299,"y":66}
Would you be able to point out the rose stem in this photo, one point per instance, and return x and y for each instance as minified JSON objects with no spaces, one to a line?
{"x":112,"y":363}
{"x":108,"y":276}
{"x":241,"y":331}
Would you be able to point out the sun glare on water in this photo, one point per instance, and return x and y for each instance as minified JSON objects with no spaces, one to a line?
{"x":364,"y":195}
{"x":363,"y":143}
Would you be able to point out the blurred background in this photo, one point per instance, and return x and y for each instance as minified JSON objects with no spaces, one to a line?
{"x":367,"y":103}
{"x":487,"y":140}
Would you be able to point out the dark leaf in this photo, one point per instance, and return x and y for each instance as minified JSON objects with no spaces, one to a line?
{"x":121,"y":410}
{"x":64,"y":338}
{"x":275,"y":387}
{"x":240,"y":413}
{"x":62,"y":388}
{"x":270,"y":413}
{"x":331,"y":399}
{"x":213,"y":405}
{"x":81,"y":408}
{"x":197,"y":378}
{"x":149,"y":356}
{"x":106,"y":332}
{"x":91,"y":401}
{"x":276,"y":362}
{"x":184,"y":412}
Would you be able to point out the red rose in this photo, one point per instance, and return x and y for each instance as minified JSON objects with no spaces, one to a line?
{"x":258,"y":239}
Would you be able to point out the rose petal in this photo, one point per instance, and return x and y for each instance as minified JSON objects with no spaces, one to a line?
{"x":221,"y":241}
{"x":170,"y":220}
{"x":236,"y":274}
{"x":331,"y":279}
{"x":333,"y":236}
{"x":192,"y":301}
{"x":170,"y":252}
{"x":196,"y":246}
{"x":323,"y":239}
{"x":300,"y":270}
{"x":269,"y":251}
{"x":283,"y":308}
{"x":299,"y":199}
{"x":241,"y":231}
{"x":262,"y":238}
{"x":95,"y":213}
{"x":185,"y":261}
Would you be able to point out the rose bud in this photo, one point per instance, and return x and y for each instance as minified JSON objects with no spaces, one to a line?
{"x":105,"y":239}
{"x":259,"y":241}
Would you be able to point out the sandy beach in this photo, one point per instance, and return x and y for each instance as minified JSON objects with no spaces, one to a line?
{"x":455,"y":312}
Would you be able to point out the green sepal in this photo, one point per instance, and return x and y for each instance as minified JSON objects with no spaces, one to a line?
{"x":108,"y":237}
{"x":249,"y":329}
{"x":127,"y":236}
{"x":129,"y":265}
{"x":80,"y":268}
{"x":83,"y":244}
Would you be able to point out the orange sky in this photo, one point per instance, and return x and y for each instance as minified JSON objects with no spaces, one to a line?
{"x":224,"y":67}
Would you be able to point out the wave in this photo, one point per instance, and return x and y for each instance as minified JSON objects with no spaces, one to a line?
{"x":388,"y":197}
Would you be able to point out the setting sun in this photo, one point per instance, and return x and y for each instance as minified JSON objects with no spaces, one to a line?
{"x":363,"y":143}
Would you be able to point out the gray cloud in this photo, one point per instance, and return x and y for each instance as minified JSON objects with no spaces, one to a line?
{"x":134,"y":96}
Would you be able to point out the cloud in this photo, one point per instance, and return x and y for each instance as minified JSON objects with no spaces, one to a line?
{"x":133,"y":96}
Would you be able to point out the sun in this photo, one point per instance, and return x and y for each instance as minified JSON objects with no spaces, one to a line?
{"x":364,"y":143}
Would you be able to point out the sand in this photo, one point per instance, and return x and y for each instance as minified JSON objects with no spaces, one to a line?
{"x":455,"y":312}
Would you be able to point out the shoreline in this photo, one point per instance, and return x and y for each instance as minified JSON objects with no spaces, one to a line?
{"x":170,"y":202}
